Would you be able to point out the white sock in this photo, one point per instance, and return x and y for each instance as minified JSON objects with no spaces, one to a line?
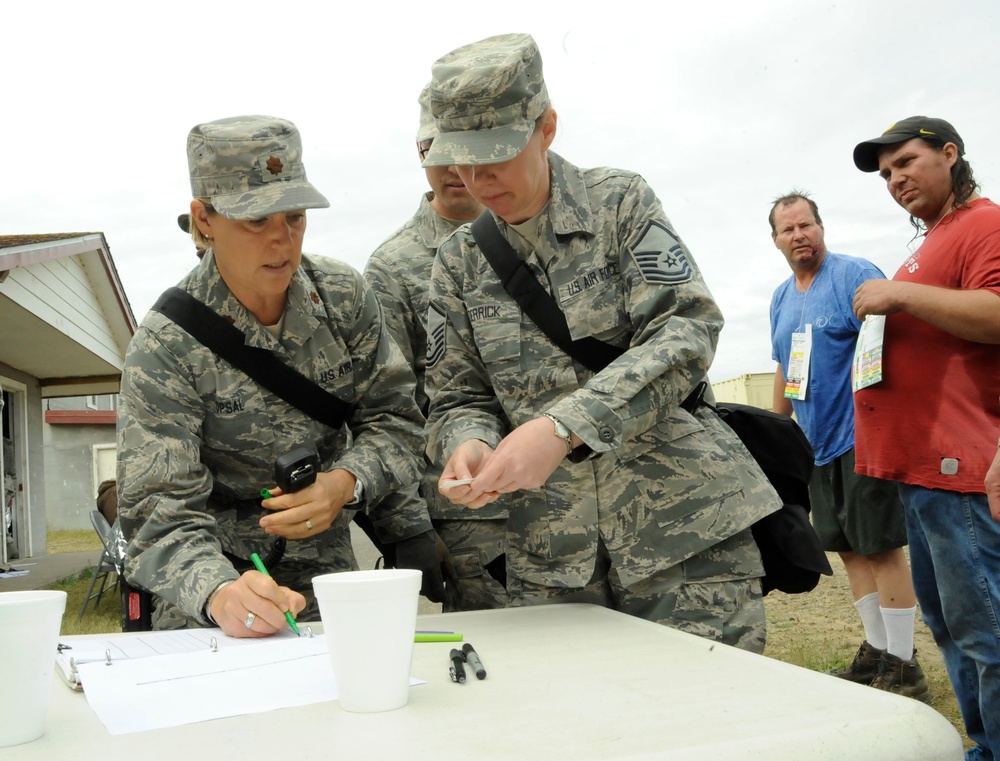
{"x":871,"y":619}
{"x":898,"y":624}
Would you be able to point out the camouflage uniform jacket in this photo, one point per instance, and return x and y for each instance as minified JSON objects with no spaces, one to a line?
{"x":399,"y":271}
{"x":197,"y":438}
{"x":651,"y":479}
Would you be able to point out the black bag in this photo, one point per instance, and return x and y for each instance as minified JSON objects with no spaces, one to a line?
{"x":789,"y":546}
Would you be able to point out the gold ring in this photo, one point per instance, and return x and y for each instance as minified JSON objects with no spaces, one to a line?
{"x":309,"y":525}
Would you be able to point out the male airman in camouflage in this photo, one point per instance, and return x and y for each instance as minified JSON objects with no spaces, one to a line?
{"x":399,"y":272}
{"x":197,"y":438}
{"x":630,"y":501}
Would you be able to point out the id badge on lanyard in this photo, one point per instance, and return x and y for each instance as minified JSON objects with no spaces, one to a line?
{"x":867,"y":367}
{"x":797,"y":372}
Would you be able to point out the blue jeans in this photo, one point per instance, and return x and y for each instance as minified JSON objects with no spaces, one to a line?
{"x":955,"y":560}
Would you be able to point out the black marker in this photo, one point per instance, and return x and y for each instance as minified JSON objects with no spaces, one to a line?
{"x":457,"y":670}
{"x":473,"y":658}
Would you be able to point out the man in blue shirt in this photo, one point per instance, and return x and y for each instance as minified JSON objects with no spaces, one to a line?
{"x":813,"y":336}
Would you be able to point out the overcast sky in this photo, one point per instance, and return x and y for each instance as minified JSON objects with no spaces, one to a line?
{"x":720,"y":105}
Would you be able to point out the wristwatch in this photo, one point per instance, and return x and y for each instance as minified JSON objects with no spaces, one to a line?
{"x":561,"y":431}
{"x":359,"y":492}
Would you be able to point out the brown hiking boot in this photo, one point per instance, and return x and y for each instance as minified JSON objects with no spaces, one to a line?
{"x":904,"y":678}
{"x":864,"y":667}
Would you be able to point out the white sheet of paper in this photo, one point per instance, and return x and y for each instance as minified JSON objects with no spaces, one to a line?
{"x":172,"y":690}
{"x":452,"y":483}
{"x":86,"y":649}
{"x":147,"y":644}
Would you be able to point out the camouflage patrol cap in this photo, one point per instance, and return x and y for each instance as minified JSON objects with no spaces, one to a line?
{"x":250,"y":167}
{"x":428,"y":130}
{"x":485,"y":98}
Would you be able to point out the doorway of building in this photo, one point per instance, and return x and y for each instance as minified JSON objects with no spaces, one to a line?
{"x":13,"y":521}
{"x":105,"y":463}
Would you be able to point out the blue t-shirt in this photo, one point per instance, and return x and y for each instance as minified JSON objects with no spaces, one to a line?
{"x":827,"y":413}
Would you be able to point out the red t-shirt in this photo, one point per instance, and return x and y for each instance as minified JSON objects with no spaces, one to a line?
{"x":940,"y":395}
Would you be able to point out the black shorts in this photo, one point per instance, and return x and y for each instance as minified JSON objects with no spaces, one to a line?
{"x":855,"y":513}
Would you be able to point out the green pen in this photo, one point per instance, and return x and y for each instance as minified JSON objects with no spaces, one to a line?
{"x":438,"y":637}
{"x":259,"y":565}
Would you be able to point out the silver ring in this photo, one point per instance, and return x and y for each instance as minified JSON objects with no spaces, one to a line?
{"x":309,"y":525}
{"x":248,"y":623}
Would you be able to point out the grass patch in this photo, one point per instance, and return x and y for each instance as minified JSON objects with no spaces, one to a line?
{"x":73,"y":541}
{"x":100,"y":617}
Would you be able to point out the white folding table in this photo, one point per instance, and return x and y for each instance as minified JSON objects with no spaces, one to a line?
{"x":564,"y":682}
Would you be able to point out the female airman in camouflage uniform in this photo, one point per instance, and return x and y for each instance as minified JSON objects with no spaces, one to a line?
{"x":198,"y":438}
{"x":630,"y":501}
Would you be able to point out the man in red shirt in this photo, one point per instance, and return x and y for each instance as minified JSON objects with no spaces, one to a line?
{"x":931,"y":422}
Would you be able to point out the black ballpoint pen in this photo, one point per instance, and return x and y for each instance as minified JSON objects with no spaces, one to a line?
{"x":457,"y":670}
{"x":473,"y":659}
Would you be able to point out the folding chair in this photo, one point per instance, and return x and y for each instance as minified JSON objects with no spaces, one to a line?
{"x":105,"y":566}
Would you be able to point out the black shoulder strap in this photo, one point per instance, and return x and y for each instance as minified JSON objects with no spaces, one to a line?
{"x":229,"y":342}
{"x":536,"y":302}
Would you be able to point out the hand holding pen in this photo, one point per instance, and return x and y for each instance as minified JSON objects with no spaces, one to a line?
{"x":259,"y":565}
{"x":253,"y":606}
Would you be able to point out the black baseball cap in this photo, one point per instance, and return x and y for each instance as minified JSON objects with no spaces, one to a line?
{"x":866,"y":153}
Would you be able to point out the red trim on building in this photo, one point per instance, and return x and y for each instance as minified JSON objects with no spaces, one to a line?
{"x":81,"y":417}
